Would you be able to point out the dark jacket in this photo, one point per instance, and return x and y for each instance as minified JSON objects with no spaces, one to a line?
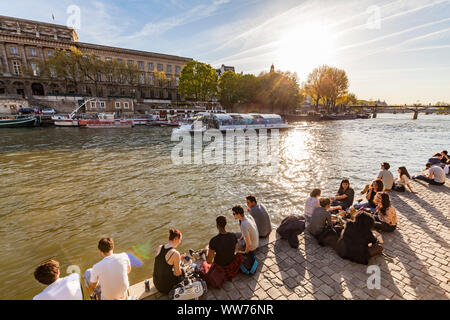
{"x":353,"y":243}
{"x":290,"y":228}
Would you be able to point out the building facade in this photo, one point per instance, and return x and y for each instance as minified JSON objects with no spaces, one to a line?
{"x":24,"y":43}
{"x":224,"y":69}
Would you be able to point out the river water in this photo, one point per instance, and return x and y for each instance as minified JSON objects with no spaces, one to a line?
{"x":62,"y":189}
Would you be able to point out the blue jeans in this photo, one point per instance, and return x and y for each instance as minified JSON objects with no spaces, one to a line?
{"x":87,"y":281}
{"x":365,"y":205}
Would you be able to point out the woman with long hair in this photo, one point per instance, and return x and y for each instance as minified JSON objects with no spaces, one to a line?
{"x":344,"y":196}
{"x":402,"y":181}
{"x":375,"y":186}
{"x":386,"y":216}
{"x":353,"y":244}
{"x":167,"y":272}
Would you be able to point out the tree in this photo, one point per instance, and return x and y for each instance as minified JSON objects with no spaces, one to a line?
{"x":229,"y":89}
{"x":327,"y":85}
{"x":315,"y":85}
{"x":198,"y":80}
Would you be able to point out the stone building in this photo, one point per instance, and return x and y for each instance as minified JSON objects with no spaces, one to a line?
{"x":23,"y":43}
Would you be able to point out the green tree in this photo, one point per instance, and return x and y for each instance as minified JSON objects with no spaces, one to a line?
{"x":229,"y":89}
{"x":198,"y":80}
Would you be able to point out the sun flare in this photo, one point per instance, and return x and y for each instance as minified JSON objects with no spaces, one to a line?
{"x":305,"y":47}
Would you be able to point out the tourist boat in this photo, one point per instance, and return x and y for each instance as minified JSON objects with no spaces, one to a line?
{"x":106,"y":120}
{"x":234,"y":121}
{"x":12,"y":121}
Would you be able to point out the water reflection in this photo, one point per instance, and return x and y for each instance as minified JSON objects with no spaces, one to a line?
{"x":64,"y":188}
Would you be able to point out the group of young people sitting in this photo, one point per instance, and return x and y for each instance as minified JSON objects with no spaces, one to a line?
{"x":350,"y":229}
{"x":227,"y":252}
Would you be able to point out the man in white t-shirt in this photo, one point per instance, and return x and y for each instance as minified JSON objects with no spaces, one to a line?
{"x":67,"y":288}
{"x":435,"y":176}
{"x":386,"y":176}
{"x":111,"y":273}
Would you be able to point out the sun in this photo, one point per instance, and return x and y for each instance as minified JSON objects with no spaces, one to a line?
{"x":304,"y":47}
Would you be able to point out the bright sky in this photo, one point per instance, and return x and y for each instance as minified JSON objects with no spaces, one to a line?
{"x":398,"y":51}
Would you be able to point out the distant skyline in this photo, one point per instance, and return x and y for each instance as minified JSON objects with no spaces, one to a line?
{"x":398,"y":51}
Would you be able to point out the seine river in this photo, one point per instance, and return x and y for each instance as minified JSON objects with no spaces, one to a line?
{"x":62,"y":189}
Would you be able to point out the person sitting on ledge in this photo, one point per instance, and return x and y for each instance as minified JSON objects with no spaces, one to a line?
{"x":376,"y":186}
{"x":353,"y":244}
{"x":402,"y":181}
{"x":248,"y":239}
{"x":67,"y":288}
{"x":436,"y":159}
{"x":386,"y":216}
{"x":345,"y":195}
{"x":260,"y":215}
{"x":110,"y":275}
{"x":445,"y":159}
{"x":167,"y":271}
{"x":311,"y":203}
{"x":321,"y":225}
{"x":435,"y":176}
{"x":220,"y":254}
{"x":386,"y":176}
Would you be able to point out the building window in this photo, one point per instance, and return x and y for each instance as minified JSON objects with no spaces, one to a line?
{"x":117,"y":105}
{"x":99,"y":77}
{"x":16,"y":68}
{"x":150,"y":66}
{"x":35,"y":69}
{"x":33,"y":52}
{"x":108,"y":59}
{"x":13,"y":50}
{"x":141,"y":65}
{"x":109,"y":77}
{"x":49,"y":53}
{"x":160,"y":67}
{"x":142,"y":78}
{"x":169,"y":69}
{"x":101,"y":104}
{"x":52,"y":72}
{"x":119,"y":60}
{"x":177,"y":79}
{"x":126,"y":105}
{"x":151,"y":80}
{"x":177,"y":69}
{"x":130,"y":62}
{"x":93,"y":105}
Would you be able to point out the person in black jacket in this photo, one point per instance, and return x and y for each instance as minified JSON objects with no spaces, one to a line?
{"x":353,"y":244}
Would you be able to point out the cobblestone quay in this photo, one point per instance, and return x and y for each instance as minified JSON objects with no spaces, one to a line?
{"x":416,"y":264}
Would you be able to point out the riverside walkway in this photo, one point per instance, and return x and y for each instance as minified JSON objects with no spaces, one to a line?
{"x":416,"y":264}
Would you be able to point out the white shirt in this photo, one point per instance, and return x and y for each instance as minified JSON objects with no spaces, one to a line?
{"x":68,"y":288}
{"x":438,"y":174}
{"x":310,"y":204}
{"x":112,"y":276}
{"x":404,"y":180}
